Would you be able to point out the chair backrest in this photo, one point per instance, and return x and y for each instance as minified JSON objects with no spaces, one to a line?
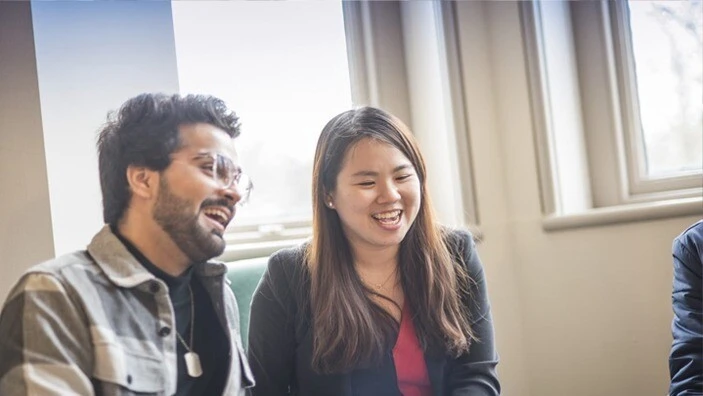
{"x":244,"y":276}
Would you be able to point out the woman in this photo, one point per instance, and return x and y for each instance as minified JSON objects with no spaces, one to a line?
{"x":383,"y":300}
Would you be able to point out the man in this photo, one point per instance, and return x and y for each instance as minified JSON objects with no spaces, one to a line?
{"x":141,"y":311}
{"x":686,"y":358}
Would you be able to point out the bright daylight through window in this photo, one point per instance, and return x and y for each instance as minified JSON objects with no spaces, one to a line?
{"x":282,"y":66}
{"x":667,"y":44}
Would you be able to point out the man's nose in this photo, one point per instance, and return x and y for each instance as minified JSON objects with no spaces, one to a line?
{"x":231,"y":193}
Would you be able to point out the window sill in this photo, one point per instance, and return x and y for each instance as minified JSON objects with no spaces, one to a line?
{"x":250,"y":250}
{"x":625,"y":214}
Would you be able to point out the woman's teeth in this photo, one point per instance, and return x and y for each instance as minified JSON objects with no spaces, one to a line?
{"x":388,"y":217}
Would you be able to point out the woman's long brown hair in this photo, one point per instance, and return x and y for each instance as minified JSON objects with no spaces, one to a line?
{"x":349,"y":329}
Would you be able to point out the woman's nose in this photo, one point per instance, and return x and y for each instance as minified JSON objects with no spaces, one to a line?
{"x":389,"y":193}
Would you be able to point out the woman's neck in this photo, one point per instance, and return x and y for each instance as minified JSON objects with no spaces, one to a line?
{"x":378,"y":270}
{"x":376,"y":262}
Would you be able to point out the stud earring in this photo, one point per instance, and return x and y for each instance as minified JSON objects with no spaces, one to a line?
{"x":330,"y":204}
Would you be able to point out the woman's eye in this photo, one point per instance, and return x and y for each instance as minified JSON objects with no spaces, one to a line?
{"x":366,"y":184}
{"x":404,"y":177}
{"x":208,"y":168}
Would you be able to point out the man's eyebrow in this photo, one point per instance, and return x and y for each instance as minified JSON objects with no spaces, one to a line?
{"x":213,"y":156}
{"x":210,"y":155}
{"x":203,"y":155}
{"x":373,"y":173}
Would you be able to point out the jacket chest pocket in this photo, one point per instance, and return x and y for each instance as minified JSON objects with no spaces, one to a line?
{"x":121,"y":371}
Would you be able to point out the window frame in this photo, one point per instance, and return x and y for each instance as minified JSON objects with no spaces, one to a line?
{"x":624,"y":63}
{"x":601,"y":181}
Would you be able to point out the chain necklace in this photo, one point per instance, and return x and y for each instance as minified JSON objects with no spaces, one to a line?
{"x":380,"y":286}
{"x":193,"y":366}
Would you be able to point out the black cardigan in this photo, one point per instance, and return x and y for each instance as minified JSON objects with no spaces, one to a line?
{"x":280,"y":339}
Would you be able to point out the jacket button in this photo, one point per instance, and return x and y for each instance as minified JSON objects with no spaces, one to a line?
{"x":129,"y":379}
{"x":154,"y":287}
{"x":164,"y":331}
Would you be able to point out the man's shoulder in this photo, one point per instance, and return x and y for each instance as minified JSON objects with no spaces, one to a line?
{"x":67,"y":273}
{"x":65,"y":266}
{"x":693,"y":234}
{"x":691,"y":240}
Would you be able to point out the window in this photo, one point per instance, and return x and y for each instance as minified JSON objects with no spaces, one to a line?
{"x":661,"y":58}
{"x":282,"y":66}
{"x":616,"y":97}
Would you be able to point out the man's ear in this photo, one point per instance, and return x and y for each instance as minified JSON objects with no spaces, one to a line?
{"x":143,"y":181}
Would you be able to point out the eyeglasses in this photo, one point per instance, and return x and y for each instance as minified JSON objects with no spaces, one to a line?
{"x":223,"y":170}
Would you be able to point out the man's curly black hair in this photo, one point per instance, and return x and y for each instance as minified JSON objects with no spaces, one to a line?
{"x":144,"y":132}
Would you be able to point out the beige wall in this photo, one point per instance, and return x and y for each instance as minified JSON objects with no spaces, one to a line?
{"x":25,"y":217}
{"x":578,"y":312}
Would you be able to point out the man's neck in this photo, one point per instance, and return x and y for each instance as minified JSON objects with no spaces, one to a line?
{"x":155,"y":245}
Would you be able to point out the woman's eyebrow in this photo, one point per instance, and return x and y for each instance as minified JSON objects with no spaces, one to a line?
{"x":374,"y":173}
{"x":402,"y":167}
{"x":365,"y":173}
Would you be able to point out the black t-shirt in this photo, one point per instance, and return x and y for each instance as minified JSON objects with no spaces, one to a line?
{"x":209,"y":337}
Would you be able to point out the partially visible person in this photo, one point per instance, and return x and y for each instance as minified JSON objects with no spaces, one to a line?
{"x":686,"y":357}
{"x":383,"y":300}
{"x":141,"y":311}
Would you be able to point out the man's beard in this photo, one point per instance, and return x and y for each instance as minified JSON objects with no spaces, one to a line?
{"x":172,"y":214}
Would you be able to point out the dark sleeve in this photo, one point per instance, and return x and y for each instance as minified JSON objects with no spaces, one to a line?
{"x":474,"y":373}
{"x":687,"y":348}
{"x":272,"y":331}
{"x":45,"y":347}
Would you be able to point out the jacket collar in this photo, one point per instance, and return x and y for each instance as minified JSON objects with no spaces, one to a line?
{"x":124,"y":270}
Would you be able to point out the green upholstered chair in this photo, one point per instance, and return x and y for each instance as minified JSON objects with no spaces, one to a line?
{"x":244,"y":276}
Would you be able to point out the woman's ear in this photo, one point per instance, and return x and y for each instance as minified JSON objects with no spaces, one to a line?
{"x":329,"y":200}
{"x":142,"y":181}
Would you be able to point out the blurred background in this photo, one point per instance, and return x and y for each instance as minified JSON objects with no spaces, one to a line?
{"x":568,"y":133}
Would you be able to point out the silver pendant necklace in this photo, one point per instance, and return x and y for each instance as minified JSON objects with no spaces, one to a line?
{"x":193,"y":366}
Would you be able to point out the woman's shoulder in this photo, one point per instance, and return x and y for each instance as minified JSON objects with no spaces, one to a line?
{"x":459,"y":239}
{"x":289,"y":263}
{"x":462,"y":245}
{"x":290,"y":255}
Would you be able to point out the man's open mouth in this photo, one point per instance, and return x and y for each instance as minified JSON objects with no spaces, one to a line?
{"x":218,"y":214}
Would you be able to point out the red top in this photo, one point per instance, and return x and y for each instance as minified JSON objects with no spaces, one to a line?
{"x":410,"y":366}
